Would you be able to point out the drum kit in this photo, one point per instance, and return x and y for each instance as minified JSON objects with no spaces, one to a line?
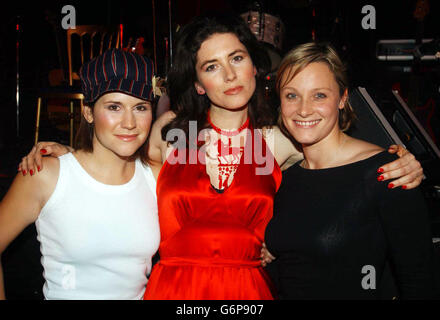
{"x":269,"y":30}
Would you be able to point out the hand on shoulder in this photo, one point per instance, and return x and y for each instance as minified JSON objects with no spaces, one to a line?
{"x":44,"y":181}
{"x":32,"y":162}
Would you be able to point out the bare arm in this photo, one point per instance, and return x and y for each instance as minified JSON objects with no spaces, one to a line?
{"x":22,"y":204}
{"x":157,"y":147}
{"x":282,"y":148}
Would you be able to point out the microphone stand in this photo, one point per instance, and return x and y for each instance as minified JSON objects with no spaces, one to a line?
{"x":154,"y":37}
{"x":171,"y":33}
{"x":17,"y":93}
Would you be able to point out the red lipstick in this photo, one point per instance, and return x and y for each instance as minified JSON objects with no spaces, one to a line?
{"x":234,"y":91}
{"x":126,"y":137}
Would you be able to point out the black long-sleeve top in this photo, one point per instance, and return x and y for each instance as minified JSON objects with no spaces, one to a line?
{"x":334,"y":229}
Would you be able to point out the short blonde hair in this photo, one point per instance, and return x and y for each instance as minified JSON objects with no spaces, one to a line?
{"x":299,"y":58}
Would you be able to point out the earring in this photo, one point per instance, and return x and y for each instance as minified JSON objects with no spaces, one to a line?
{"x":200,"y":90}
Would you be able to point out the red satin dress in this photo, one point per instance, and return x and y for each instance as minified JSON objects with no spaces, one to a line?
{"x":211,"y":242}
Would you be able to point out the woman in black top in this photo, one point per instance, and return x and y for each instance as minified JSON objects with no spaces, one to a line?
{"x":334,"y":225}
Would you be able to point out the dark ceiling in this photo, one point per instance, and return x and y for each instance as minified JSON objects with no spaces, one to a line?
{"x":336,"y":21}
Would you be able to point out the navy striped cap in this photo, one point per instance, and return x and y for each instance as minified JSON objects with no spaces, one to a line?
{"x":120,"y":71}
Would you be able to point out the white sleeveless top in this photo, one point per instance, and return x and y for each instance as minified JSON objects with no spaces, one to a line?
{"x":97,"y":240}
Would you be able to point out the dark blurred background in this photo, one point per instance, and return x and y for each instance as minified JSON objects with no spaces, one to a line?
{"x":336,"y":21}
{"x":36,"y":27}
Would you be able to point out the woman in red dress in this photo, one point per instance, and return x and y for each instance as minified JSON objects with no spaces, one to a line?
{"x":214,"y":210}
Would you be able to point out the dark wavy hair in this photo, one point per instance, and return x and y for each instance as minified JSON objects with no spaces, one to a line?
{"x":186,"y":103}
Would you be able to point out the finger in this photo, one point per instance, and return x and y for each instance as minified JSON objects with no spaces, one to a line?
{"x":414,"y":184}
{"x":25,"y":162}
{"x":393,"y":148}
{"x":399,"y":149}
{"x":269,"y":259}
{"x":56,"y":150}
{"x":267,"y":256}
{"x":42,"y":147}
{"x":402,"y":151}
{"x":23,"y":166}
{"x":30,"y":165}
{"x":407,"y":180}
{"x":394,"y":174}
{"x":264,"y":256}
{"x":31,"y":158}
{"x":41,"y":150}
{"x":403,"y":166}
{"x":35,"y":159}
{"x":270,"y":256}
{"x":398,"y":163}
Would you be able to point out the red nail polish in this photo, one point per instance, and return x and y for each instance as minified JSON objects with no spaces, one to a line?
{"x":404,"y":187}
{"x":380,"y":178}
{"x":390,"y":186}
{"x":31,"y":172}
{"x":43,"y":151}
{"x":38,"y":168}
{"x":380,"y":170}
{"x":24,"y":172}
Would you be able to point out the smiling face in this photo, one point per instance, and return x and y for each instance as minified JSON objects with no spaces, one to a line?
{"x":310,"y":104}
{"x":225,"y":71}
{"x":121,"y":123}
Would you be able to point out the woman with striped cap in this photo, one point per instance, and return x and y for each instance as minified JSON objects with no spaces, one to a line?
{"x":95,"y":209}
